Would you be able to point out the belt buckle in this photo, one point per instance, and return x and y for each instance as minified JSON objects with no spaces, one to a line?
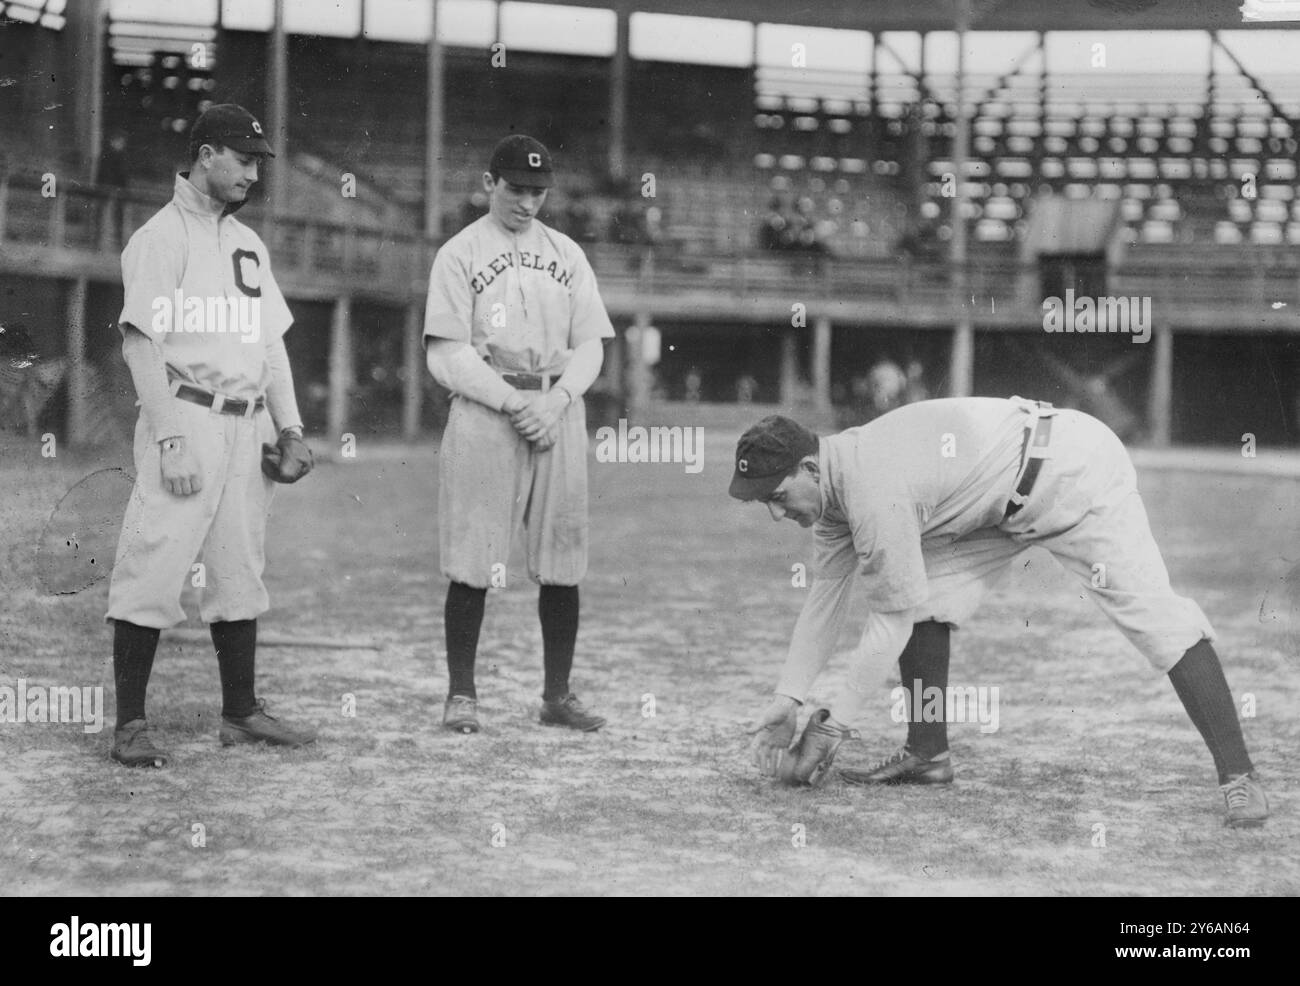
{"x":1040,"y":450}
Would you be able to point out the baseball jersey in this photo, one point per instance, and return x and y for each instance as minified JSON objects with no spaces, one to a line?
{"x":927,"y":472}
{"x":198,"y":282}
{"x":523,"y":300}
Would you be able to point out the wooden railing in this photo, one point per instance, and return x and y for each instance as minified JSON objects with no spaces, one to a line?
{"x":1202,"y":287}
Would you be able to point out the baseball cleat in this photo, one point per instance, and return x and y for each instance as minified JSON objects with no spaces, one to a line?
{"x":259,"y":727}
{"x":460,"y":714}
{"x":904,"y":767}
{"x":568,"y":711}
{"x":1247,"y":804}
{"x":132,"y":746}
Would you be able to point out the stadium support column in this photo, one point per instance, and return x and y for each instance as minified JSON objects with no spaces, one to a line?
{"x":340,"y":367}
{"x":1160,"y":412}
{"x":76,"y":346}
{"x":83,"y":62}
{"x":277,"y":99}
{"x":961,"y":367}
{"x":789,"y":379}
{"x":434,"y":83}
{"x":618,"y":97}
{"x":821,"y":363}
{"x":413,"y":371}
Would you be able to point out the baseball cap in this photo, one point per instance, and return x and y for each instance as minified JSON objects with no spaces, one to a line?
{"x":232,"y":126}
{"x":767,"y":453}
{"x":522,"y":160}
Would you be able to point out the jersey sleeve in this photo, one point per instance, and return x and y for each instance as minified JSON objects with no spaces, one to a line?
{"x":589,"y":319}
{"x":886,"y":536}
{"x":152,"y":269}
{"x":448,"y":313}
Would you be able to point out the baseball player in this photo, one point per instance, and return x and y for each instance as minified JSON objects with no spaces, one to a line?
{"x":202,"y":325}
{"x":929,"y":505}
{"x":514,"y":328}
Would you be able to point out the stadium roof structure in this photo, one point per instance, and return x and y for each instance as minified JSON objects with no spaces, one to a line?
{"x":986,"y":15}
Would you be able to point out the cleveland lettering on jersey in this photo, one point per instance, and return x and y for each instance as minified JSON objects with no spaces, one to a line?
{"x":526,"y":261}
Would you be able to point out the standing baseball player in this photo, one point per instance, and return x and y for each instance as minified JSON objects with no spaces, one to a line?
{"x":930,"y":504}
{"x":514,"y":328}
{"x":202,"y":325}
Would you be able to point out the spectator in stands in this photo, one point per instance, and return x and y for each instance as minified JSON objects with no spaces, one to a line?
{"x":654,"y":226}
{"x":473,"y":208}
{"x":920,"y":242}
{"x":746,"y":388}
{"x":772,"y":231}
{"x":805,"y":227}
{"x":627,"y":222}
{"x":114,"y":178}
{"x":915,"y":389}
{"x":579,"y":221}
{"x":881,"y":389}
{"x":694,"y":384}
{"x":887,"y":385}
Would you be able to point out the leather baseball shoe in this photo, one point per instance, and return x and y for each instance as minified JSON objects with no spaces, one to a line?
{"x":132,"y":746}
{"x":460,"y":714}
{"x":568,"y":711}
{"x":904,"y":768}
{"x":259,"y":727}
{"x":1247,"y":804}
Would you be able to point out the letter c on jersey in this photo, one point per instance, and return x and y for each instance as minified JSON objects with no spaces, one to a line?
{"x":248,"y":272}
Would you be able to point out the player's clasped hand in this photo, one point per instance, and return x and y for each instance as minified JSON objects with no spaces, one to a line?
{"x":773,"y":733}
{"x":180,"y":468}
{"x":537,"y":417}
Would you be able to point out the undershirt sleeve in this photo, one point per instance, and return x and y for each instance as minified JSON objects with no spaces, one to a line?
{"x":144,"y":359}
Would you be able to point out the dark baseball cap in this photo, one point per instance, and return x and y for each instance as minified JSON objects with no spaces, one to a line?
{"x":231,"y":126}
{"x":767,"y":453}
{"x":522,"y":160}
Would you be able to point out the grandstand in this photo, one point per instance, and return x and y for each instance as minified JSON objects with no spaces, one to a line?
{"x":1091,"y":154}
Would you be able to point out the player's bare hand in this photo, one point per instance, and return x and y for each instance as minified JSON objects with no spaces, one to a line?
{"x":547,"y":441}
{"x":515,"y":403}
{"x":180,"y":467}
{"x":773,"y":733}
{"x":540,"y":415}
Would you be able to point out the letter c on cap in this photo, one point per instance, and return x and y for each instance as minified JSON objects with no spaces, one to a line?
{"x":534,"y":159}
{"x":742,"y":465}
{"x":257,"y":127}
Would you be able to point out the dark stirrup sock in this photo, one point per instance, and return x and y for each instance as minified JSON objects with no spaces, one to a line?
{"x":462,"y":619}
{"x":557,"y":608}
{"x":923,"y":665}
{"x":134,"y":648}
{"x":1198,"y":679}
{"x":236,"y":644}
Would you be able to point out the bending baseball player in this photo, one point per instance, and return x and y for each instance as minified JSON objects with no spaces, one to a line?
{"x":206,"y":371}
{"x":929,"y":505}
{"x":514,"y":328}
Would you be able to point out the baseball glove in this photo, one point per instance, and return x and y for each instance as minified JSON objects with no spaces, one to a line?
{"x":288,"y":460}
{"x":808,"y":762}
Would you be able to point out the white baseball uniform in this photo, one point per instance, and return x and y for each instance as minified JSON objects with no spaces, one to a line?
{"x":915,"y":502}
{"x":524,"y":301}
{"x":194,"y":246}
